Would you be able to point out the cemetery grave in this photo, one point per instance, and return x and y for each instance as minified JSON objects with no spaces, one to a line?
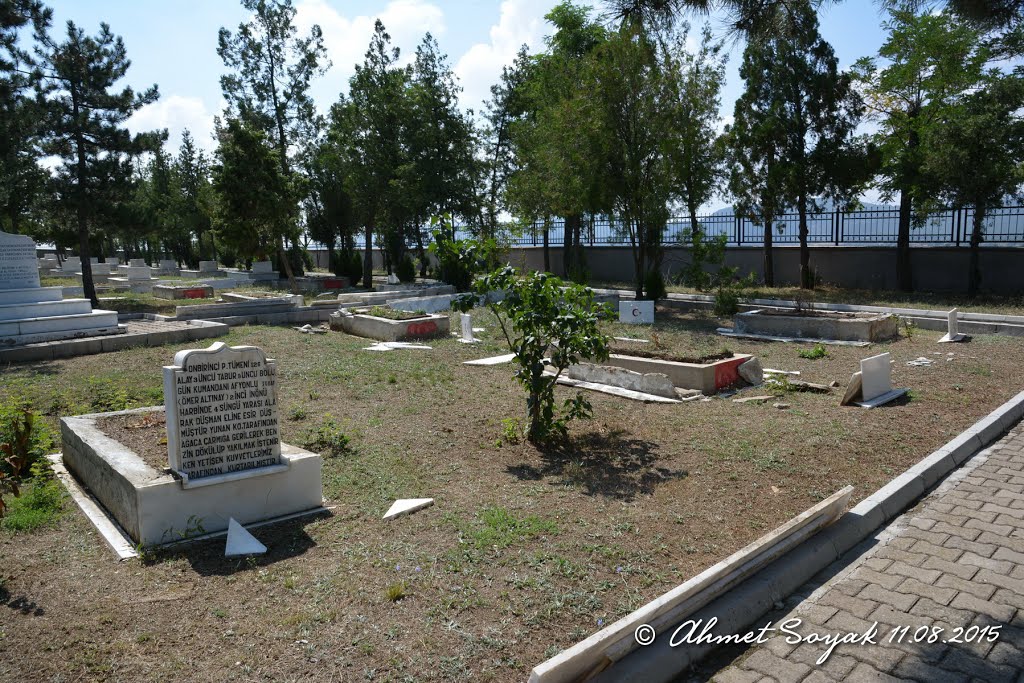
{"x":814,"y":325}
{"x":524,"y":551}
{"x":389,"y":325}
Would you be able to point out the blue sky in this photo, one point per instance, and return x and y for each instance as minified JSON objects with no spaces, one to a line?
{"x":173,"y":44}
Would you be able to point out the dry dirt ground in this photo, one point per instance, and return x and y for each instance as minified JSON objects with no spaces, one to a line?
{"x":525,"y":551}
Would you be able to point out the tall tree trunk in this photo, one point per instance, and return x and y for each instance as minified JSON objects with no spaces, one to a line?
{"x":769,"y":255}
{"x":974,"y":267}
{"x":88,"y":287}
{"x":547,"y":245}
{"x":571,"y":231}
{"x":904,"y":274}
{"x":806,"y":279}
{"x":368,"y":259}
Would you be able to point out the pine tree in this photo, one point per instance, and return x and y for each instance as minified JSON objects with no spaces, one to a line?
{"x":86,"y":127}
{"x":270,"y":69}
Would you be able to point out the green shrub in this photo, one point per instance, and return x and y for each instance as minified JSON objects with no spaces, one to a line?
{"x":327,"y":439}
{"x":37,"y":507}
{"x":405,"y":269}
{"x":818,"y":351}
{"x":727,"y":302}
{"x":541,"y":319}
{"x":654,"y":286}
{"x":459,"y":261}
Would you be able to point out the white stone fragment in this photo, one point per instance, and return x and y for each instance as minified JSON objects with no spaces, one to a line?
{"x":241,"y":542}
{"x":636,"y":312}
{"x":405,"y":506}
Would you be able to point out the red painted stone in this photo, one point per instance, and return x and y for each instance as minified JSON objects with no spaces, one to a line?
{"x":422,"y":329}
{"x":334,"y":283}
{"x":194,"y":294}
{"x":727,"y":372}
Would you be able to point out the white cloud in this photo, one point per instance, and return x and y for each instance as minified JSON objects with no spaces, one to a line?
{"x":347,"y":39}
{"x":521,"y":21}
{"x":176,"y":113}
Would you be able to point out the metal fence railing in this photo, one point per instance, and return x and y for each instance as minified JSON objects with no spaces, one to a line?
{"x":1004,"y":225}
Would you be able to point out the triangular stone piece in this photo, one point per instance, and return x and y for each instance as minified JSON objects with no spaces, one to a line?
{"x":241,"y":542}
{"x":406,"y":506}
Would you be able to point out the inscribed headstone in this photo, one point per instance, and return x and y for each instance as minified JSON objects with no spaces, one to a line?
{"x":221,"y":407}
{"x":636,"y":312}
{"x":19,"y":268}
{"x":876,"y":376}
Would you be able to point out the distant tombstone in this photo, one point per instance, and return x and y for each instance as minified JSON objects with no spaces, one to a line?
{"x":393,"y":279}
{"x":101,"y":269}
{"x":875,"y":382}
{"x":207,"y":266}
{"x":136,"y":273}
{"x":18,"y":266}
{"x":222,"y":415}
{"x":467,"y":329}
{"x":876,"y":376}
{"x":952,"y":329}
{"x":636,"y":312}
{"x":168,"y":264}
{"x":137,"y":263}
{"x":94,"y":260}
{"x":263,"y":267}
{"x":72,"y":264}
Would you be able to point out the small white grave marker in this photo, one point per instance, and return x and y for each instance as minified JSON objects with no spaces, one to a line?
{"x":19,"y":268}
{"x":241,"y":542}
{"x":636,"y":312}
{"x":467,"y":329}
{"x":952,"y":329}
{"x":876,"y":381}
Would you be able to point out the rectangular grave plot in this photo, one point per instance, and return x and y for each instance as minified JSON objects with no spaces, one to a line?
{"x":222,"y":416}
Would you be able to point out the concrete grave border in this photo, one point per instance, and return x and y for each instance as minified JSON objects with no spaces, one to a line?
{"x":741,"y":606}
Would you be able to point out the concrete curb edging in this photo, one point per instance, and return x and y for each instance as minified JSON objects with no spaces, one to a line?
{"x":742,"y":606}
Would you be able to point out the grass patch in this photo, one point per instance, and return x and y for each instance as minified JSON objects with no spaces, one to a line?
{"x":392,"y":314}
{"x":326,"y":439}
{"x":814,"y":353}
{"x":37,"y":507}
{"x":499,"y":528}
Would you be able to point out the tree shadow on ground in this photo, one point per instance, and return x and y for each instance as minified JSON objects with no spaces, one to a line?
{"x":284,"y":540}
{"x":20,"y":604}
{"x":601,"y":464}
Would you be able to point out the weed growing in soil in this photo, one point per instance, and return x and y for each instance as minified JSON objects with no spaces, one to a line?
{"x":327,"y":439}
{"x":501,"y":528}
{"x":38,"y":507}
{"x":297,"y":414}
{"x":396,"y":591}
{"x":818,"y":351}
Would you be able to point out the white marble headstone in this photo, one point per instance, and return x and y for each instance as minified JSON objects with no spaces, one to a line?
{"x":221,"y":407}
{"x":207,"y":266}
{"x":137,"y":263}
{"x":72,"y":264}
{"x":636,"y":312}
{"x":876,"y":376}
{"x":263,"y":267}
{"x":19,"y":268}
{"x":139,"y":273}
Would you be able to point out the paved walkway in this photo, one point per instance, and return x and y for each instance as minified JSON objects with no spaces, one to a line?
{"x":956,"y":561}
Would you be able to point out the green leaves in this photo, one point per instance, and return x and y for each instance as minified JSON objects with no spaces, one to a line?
{"x":547,"y":324}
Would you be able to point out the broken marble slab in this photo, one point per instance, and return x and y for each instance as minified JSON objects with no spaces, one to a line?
{"x":493,"y":360}
{"x":728,"y":332}
{"x":241,"y":542}
{"x":616,"y":391}
{"x":391,"y":346}
{"x":406,"y":506}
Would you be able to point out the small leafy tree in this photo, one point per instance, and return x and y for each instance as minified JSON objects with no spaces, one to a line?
{"x":23,"y":443}
{"x":541,"y":316}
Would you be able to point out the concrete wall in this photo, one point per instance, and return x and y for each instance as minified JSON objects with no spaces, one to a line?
{"x":941,"y":269}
